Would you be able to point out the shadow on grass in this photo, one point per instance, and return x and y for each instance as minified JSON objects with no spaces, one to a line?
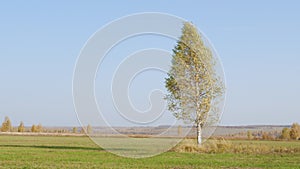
{"x":70,"y":148}
{"x":55,"y":147}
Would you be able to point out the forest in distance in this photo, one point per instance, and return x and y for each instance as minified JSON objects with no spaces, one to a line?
{"x":256,"y":132}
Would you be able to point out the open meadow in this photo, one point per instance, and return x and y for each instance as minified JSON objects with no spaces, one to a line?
{"x":81,"y":152}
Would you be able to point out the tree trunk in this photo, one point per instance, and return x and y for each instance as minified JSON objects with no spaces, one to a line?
{"x":199,"y":133}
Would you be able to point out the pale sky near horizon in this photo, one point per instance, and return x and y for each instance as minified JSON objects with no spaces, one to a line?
{"x":258,"y":43}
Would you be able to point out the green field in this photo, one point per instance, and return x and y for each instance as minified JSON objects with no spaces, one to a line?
{"x":81,"y":152}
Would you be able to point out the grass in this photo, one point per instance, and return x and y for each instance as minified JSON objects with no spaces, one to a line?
{"x":81,"y":152}
{"x":239,"y":146}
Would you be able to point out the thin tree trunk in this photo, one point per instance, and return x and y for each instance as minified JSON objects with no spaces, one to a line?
{"x":199,"y":133}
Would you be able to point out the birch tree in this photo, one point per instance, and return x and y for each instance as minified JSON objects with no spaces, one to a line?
{"x":21,"y":127}
{"x":192,"y":81}
{"x":6,"y":125}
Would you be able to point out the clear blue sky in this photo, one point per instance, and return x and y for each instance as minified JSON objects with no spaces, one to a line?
{"x":258,"y":42}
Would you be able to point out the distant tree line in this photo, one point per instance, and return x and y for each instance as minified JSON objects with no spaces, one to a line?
{"x":7,"y":127}
{"x":292,"y":133}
